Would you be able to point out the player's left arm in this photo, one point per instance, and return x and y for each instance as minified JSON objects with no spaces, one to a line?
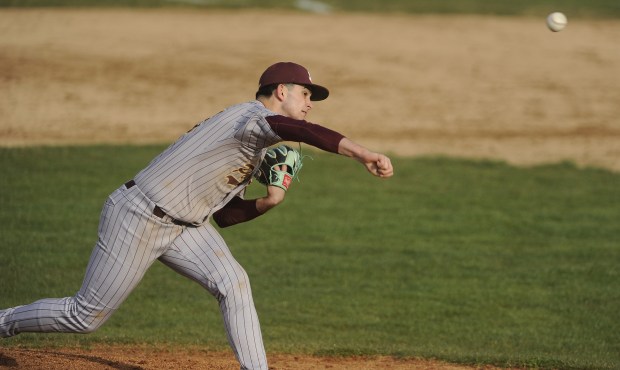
{"x":240,"y":210}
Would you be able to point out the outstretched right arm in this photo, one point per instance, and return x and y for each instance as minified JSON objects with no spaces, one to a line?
{"x":376,"y":163}
{"x":329,"y":140}
{"x":290,"y":129}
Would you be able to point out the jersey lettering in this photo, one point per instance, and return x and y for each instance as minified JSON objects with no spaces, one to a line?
{"x":240,"y":175}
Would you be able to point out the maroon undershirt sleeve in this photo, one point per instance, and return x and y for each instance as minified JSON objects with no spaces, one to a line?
{"x":290,"y":129}
{"x":236,"y":211}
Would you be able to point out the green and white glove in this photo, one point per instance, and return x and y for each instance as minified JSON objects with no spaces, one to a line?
{"x":279,"y":167}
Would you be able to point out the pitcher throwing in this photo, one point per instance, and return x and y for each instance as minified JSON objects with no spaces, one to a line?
{"x":164,"y":213}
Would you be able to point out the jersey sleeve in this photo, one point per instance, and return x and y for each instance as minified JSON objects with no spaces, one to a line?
{"x":290,"y":129}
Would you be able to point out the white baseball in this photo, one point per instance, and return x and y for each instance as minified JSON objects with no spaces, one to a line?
{"x":556,"y":21}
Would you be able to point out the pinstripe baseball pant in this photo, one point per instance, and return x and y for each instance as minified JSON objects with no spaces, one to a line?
{"x":130,"y":239}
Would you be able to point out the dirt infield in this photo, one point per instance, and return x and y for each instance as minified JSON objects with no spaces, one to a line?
{"x":143,"y":358}
{"x":481,"y":87}
{"x":478,"y":87}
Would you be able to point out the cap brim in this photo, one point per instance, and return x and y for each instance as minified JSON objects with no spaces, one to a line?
{"x":318,"y":92}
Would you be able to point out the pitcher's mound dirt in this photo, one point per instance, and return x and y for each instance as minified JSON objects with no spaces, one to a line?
{"x":138,"y":358}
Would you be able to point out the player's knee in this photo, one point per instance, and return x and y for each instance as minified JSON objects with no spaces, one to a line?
{"x":89,"y":323}
{"x":84,"y":328}
{"x":242,"y":283}
{"x":87,"y":319}
{"x":236,"y":284}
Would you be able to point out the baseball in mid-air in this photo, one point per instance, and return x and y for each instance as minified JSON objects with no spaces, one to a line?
{"x":556,"y":21}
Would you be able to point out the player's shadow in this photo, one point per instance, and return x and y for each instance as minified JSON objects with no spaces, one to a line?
{"x":6,"y":361}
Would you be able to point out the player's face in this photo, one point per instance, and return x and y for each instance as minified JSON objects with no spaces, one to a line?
{"x":297,"y":103}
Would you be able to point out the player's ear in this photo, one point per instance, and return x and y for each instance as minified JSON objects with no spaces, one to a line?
{"x":281,"y":92}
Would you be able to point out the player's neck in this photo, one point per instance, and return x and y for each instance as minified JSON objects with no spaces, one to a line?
{"x":272,"y":104}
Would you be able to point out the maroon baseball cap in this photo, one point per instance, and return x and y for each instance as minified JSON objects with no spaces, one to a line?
{"x":288,"y":72}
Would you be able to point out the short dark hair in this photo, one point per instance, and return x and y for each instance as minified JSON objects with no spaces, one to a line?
{"x":266,"y":90}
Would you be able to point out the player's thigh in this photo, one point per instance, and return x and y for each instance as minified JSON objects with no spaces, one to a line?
{"x":130,"y":240}
{"x":202,"y":255}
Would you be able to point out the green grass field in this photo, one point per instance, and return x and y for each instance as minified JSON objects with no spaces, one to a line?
{"x":574,"y":8}
{"x":471,"y":262}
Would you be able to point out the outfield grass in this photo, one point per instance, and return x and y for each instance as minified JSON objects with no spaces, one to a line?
{"x":574,"y":8}
{"x":471,"y":262}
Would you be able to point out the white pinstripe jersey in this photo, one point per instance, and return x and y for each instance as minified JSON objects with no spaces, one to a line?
{"x":210,"y":164}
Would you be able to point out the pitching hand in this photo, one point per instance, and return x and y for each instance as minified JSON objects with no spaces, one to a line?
{"x":379,"y":165}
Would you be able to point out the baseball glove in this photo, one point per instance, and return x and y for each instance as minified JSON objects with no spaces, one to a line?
{"x":271,"y":170}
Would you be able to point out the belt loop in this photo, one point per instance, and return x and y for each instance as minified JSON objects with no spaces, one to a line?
{"x":159,"y":212}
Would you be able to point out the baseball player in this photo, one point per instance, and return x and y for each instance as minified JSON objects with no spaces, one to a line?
{"x":163,"y":213}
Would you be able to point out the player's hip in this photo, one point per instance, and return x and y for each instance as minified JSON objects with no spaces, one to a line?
{"x":127,"y":219}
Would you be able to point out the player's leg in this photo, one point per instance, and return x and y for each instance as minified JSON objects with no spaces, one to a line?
{"x":203,"y":256}
{"x":130,"y":239}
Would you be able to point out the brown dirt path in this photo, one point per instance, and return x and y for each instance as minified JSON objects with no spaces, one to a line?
{"x":149,"y":358}
{"x":481,"y":87}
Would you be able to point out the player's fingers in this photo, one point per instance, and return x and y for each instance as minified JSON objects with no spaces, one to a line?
{"x":384,"y":165}
{"x":384,"y":162}
{"x":376,"y":170}
{"x":388,"y":171}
